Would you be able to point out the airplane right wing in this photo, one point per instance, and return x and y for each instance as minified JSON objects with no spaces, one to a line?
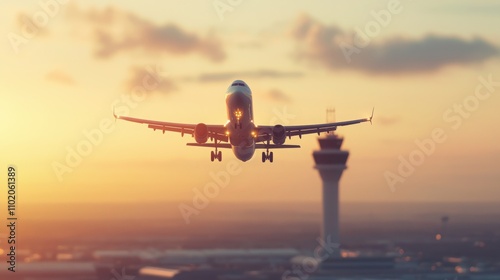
{"x":265,"y":133}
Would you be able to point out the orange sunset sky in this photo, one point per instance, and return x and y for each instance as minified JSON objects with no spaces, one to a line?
{"x":417,"y":66}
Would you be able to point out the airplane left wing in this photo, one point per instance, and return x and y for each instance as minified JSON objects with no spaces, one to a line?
{"x":265,"y":132}
{"x":214,"y":131}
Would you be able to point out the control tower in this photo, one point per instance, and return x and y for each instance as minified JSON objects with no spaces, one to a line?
{"x":330,"y":162}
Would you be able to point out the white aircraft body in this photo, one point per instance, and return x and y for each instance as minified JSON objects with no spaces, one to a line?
{"x":240,"y":133}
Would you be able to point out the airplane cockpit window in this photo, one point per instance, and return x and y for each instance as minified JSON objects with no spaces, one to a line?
{"x":238,"y":84}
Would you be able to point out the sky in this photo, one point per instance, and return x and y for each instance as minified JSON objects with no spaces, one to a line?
{"x":429,"y":68}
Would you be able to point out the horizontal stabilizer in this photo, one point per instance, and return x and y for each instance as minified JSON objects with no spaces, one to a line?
{"x":257,"y":146}
{"x":264,"y":146}
{"x":211,"y":145}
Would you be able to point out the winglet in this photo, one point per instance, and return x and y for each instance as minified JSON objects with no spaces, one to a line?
{"x":371,"y":117}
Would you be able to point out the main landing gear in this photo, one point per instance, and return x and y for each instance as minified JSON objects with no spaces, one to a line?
{"x":267,"y":155}
{"x":215,"y":154}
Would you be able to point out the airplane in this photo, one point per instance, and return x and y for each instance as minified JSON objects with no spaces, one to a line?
{"x":240,"y":133}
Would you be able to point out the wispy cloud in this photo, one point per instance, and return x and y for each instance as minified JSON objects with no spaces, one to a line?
{"x":321,"y":44}
{"x":278,"y":96}
{"x":60,"y":77}
{"x":471,"y":9}
{"x":250,"y":74}
{"x":25,"y":23}
{"x":255,"y":44}
{"x":115,"y":31}
{"x":387,"y":121}
{"x":148,"y":79}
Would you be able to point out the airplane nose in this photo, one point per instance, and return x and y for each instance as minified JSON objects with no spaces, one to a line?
{"x":237,"y":99}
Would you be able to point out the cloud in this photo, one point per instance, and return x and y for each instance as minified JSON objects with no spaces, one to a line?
{"x":386,"y":121}
{"x":149,"y":80}
{"x":60,"y":77}
{"x":116,"y":31}
{"x":469,"y":9}
{"x":278,"y":96}
{"x":254,"y":74}
{"x":328,"y":46}
{"x":251,"y":44}
{"x":26,"y":24}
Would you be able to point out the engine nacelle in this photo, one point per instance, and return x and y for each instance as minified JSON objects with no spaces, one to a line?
{"x":279,"y":134}
{"x":201,"y":133}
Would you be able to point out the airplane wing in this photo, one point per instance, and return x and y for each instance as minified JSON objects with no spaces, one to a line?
{"x":214,"y":131}
{"x":265,"y":132}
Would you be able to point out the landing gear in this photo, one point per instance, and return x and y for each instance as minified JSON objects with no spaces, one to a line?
{"x":267,"y":155}
{"x":216,"y":154}
{"x":237,"y":125}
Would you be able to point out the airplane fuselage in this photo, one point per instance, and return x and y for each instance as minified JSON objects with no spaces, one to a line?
{"x":240,"y":126}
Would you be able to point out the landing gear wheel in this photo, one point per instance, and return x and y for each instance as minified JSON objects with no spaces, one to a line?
{"x":212,"y":155}
{"x":264,"y":157}
{"x":219,"y":156}
{"x":270,"y":157}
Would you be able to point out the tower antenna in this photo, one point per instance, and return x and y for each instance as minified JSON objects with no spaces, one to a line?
{"x":330,"y":116}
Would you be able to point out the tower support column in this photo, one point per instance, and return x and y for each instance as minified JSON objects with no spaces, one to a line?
{"x":331,"y":163}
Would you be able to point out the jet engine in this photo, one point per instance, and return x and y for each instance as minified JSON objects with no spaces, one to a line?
{"x":201,"y":133}
{"x":279,"y":134}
